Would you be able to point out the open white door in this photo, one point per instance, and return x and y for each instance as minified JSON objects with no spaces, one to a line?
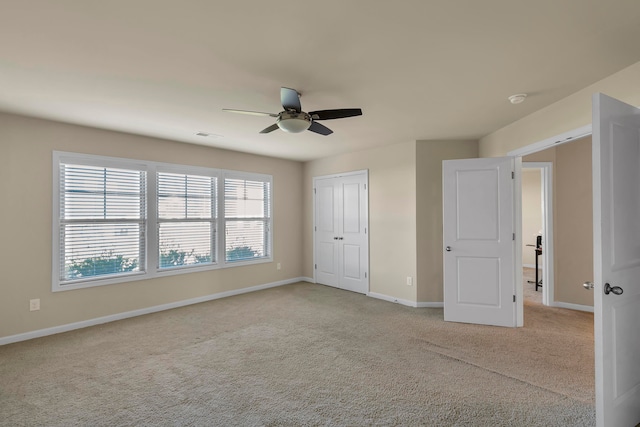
{"x":479,"y":221}
{"x":616,"y":234}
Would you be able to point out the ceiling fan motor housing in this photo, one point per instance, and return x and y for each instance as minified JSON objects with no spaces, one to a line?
{"x":294,"y":122}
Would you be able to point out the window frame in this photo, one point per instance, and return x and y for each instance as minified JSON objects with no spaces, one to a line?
{"x":186,"y":170}
{"x":151,"y":268}
{"x":269,"y":222}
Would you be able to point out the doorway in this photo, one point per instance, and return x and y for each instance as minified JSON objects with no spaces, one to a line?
{"x":537,"y":229}
{"x":567,"y":222}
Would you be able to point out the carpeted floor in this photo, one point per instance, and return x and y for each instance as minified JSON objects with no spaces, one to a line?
{"x":304,"y":355}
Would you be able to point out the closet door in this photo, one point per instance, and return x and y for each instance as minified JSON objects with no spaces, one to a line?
{"x":341,"y":231}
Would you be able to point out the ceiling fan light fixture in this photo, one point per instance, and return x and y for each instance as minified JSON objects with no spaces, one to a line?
{"x":294,"y":122}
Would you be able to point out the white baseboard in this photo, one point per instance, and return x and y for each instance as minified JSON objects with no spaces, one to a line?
{"x":430,"y":305}
{"x":392,"y":299}
{"x":142,"y":311}
{"x":532,"y":266}
{"x":307,"y":279}
{"x":406,"y":302}
{"x":570,"y":306}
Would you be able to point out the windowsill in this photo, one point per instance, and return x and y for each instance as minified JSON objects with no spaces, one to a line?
{"x":91,"y":283}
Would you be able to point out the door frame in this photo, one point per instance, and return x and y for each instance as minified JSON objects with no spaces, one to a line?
{"x":546,"y":181}
{"x":554,"y":141}
{"x":315,"y":179}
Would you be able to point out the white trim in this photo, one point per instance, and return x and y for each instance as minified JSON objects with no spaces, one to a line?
{"x":141,"y":312}
{"x":518,"y":290}
{"x":343,"y":174}
{"x":307,"y":279}
{"x":393,"y":299}
{"x":552,"y":141}
{"x":546,"y":186}
{"x":430,"y":305}
{"x":578,"y":307}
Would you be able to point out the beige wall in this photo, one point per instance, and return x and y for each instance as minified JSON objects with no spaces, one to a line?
{"x":567,"y":114}
{"x":429,"y":157}
{"x":572,"y":219}
{"x":531,"y":213}
{"x":27,"y":144}
{"x":573,"y":227}
{"x":392,"y":214}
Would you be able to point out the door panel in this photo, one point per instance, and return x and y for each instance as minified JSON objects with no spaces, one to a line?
{"x":479,"y":259}
{"x":325,"y":231}
{"x":478,"y":215}
{"x":325,"y":208}
{"x":351,"y":208}
{"x":469,"y":269}
{"x":616,"y":225}
{"x":351,"y":261}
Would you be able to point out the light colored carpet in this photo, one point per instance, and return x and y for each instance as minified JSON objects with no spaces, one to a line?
{"x":304,"y":355}
{"x":531,"y":296}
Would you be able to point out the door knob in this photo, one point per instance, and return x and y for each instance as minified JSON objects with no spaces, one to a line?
{"x":448,"y":249}
{"x":612,"y":289}
{"x":588,"y":285}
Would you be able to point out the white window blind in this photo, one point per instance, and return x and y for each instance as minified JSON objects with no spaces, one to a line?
{"x":186,"y":219}
{"x":102,"y":222}
{"x":247,"y":214}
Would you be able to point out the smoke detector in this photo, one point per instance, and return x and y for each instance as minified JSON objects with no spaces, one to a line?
{"x":517,"y":98}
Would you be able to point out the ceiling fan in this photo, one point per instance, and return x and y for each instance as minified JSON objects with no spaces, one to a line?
{"x":294,"y":120}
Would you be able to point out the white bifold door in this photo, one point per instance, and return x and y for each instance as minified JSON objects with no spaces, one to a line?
{"x":341,"y":239}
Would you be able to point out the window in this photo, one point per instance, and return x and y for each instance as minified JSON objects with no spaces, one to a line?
{"x":186,"y":219}
{"x":247,"y":214}
{"x":118,"y":220}
{"x":102,"y":222}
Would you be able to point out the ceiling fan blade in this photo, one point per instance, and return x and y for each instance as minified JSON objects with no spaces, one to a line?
{"x":335,"y":114}
{"x":251,"y":113}
{"x":270,"y":128}
{"x":290,"y":99}
{"x":321,"y":129}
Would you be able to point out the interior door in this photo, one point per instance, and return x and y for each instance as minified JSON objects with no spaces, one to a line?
{"x":341,"y":231}
{"x":616,"y":222}
{"x":478,"y":235}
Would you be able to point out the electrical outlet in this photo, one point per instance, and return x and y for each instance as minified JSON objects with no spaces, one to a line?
{"x":409,"y":281}
{"x":278,"y":266}
{"x":34,"y":304}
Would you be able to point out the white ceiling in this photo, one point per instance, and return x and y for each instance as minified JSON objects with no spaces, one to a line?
{"x":419,"y":69}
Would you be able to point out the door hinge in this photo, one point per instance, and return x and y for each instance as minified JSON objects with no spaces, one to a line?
{"x":315,"y":266}
{"x":365,"y":186}
{"x":314,"y":191}
{"x":514,"y":236}
{"x":514,"y":298}
{"x":513,"y":175}
{"x":365,"y":274}
{"x":315,"y":228}
{"x":365,"y":230}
